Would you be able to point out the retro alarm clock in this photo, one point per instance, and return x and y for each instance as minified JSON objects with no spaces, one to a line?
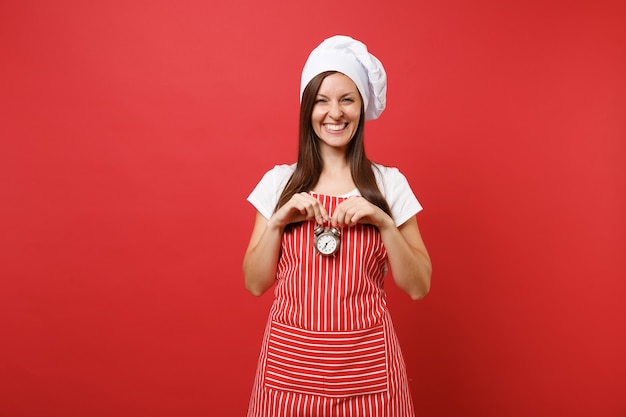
{"x":326,"y":240}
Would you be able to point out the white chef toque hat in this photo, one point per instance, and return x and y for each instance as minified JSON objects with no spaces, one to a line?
{"x":350,"y":57}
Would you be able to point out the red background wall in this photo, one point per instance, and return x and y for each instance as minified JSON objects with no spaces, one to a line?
{"x":131,"y":133}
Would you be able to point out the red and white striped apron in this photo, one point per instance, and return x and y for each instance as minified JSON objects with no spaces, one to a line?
{"x":329,"y":348}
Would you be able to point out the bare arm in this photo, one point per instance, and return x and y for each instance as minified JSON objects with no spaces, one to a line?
{"x":261,"y":258}
{"x":408,"y":257}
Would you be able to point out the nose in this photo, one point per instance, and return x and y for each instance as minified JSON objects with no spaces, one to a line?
{"x":335,"y":111}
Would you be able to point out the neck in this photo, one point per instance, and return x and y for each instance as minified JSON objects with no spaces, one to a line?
{"x":334,"y":160}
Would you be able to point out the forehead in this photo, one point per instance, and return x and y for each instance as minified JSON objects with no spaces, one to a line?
{"x":337,"y":83}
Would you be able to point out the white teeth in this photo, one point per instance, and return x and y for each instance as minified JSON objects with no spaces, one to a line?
{"x":335,"y":127}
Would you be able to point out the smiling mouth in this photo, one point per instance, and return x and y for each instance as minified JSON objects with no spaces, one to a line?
{"x":335,"y":127}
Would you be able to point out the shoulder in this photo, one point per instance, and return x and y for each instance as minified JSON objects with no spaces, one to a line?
{"x":265,"y":195}
{"x":282,"y":171}
{"x":385,"y":170}
{"x":276,"y":178}
{"x":388,"y":178}
{"x":396,"y":189}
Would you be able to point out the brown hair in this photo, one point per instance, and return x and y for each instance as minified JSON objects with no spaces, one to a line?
{"x":309,"y":166}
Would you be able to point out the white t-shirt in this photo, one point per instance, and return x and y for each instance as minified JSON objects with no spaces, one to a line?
{"x":391,"y":182}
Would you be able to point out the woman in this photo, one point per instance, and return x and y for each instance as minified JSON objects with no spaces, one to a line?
{"x":326,"y":231}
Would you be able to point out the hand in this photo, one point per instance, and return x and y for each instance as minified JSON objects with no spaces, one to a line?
{"x":356,"y":210}
{"x":300,"y":207}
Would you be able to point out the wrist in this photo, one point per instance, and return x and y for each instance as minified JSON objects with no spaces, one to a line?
{"x":387,"y":224}
{"x":274,"y":225}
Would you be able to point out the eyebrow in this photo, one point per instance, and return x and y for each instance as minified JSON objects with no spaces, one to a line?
{"x":343,"y":95}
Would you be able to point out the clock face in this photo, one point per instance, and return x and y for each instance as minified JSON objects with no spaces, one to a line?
{"x":327,"y":243}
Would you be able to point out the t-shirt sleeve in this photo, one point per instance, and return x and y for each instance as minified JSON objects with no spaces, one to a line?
{"x":266,"y":193}
{"x":398,"y":193}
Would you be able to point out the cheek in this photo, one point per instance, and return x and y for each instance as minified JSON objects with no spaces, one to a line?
{"x":356,"y":118}
{"x":316,"y":121}
{"x":316,"y":116}
{"x":355,"y":113}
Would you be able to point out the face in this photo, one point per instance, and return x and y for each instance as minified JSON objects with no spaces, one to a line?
{"x":336,"y":112}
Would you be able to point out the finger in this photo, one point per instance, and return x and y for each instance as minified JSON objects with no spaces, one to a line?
{"x":355,"y":210}
{"x":311,"y":207}
{"x":318,"y":212}
{"x":344,"y":211}
{"x":352,"y":216}
{"x":305,"y":207}
{"x":339,"y":217}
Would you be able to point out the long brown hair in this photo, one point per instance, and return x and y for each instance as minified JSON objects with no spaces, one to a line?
{"x":309,"y":166}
